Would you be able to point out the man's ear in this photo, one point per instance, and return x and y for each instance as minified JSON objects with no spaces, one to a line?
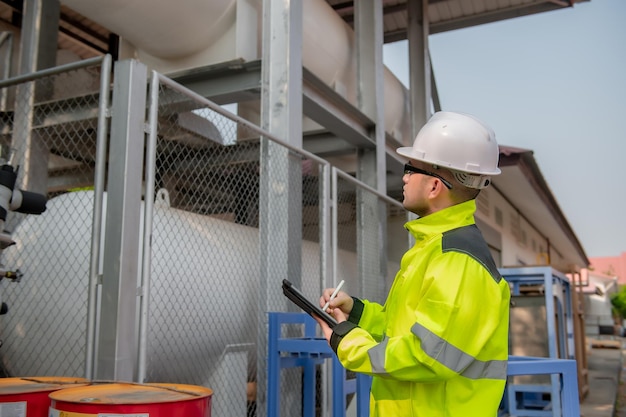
{"x":436,"y":187}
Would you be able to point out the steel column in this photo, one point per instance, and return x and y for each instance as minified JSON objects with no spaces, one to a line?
{"x":419,"y":63}
{"x":280,"y":211}
{"x":372,"y":170}
{"x":38,"y":47}
{"x":117,"y":342}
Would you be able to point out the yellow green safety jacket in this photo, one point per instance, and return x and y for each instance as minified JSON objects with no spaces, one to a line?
{"x":439,"y":345}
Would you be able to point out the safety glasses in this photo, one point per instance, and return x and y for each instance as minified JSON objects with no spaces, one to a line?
{"x":410,"y":169}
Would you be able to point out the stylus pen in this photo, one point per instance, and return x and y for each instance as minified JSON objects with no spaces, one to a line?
{"x":333,"y":295}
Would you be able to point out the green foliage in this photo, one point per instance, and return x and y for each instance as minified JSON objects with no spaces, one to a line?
{"x":619,"y":302}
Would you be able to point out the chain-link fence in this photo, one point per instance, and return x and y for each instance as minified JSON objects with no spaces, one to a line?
{"x":204,"y":276}
{"x":358,"y":237}
{"x":223,"y":200}
{"x":50,"y":125}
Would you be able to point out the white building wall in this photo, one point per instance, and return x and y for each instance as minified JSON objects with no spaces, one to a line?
{"x":521,"y":243}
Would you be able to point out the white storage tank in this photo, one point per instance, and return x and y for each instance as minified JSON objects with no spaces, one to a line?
{"x":204,"y":290}
{"x":220,"y":31}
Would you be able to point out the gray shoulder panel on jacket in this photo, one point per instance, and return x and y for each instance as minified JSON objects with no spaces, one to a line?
{"x":469,"y":240}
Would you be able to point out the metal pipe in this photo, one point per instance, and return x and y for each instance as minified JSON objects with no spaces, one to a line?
{"x":6,"y":38}
{"x":52,"y":71}
{"x":148,"y":216}
{"x":100,"y":172}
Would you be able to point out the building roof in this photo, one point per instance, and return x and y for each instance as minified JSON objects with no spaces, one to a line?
{"x":594,"y":282}
{"x":613,"y":265}
{"x":445,"y":15}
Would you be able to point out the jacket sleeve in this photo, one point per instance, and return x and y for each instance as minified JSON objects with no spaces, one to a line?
{"x":444,"y":331}
{"x":369,"y":316}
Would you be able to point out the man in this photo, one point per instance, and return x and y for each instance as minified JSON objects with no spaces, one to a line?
{"x":439,"y":344}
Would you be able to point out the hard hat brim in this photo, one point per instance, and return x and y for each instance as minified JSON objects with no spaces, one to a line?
{"x":409,"y":152}
{"x":406,"y":152}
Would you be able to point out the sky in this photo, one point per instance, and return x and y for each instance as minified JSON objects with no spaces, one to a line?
{"x":554,"y":83}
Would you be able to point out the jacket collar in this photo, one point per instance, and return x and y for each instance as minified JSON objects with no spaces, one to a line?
{"x":447,"y":219}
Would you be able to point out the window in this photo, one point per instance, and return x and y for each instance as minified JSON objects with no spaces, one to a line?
{"x":498,"y":216}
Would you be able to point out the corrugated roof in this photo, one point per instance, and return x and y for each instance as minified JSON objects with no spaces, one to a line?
{"x":445,"y":15}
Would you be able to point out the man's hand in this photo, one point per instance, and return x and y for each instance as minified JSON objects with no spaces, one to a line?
{"x":339,"y":307}
{"x":342,"y":302}
{"x":327,"y":331}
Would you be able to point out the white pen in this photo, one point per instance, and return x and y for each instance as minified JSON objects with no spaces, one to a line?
{"x":333,"y":295}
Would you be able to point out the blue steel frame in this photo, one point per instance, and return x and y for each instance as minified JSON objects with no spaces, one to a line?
{"x":556,"y":288}
{"x":565,"y":371}
{"x":308,"y":352}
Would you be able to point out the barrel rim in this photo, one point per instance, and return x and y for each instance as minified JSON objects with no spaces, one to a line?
{"x":27,"y":385}
{"x":78,"y":394}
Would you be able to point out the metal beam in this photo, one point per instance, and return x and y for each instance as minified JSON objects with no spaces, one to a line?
{"x":323,"y":105}
{"x":236,"y":81}
{"x":230,"y":82}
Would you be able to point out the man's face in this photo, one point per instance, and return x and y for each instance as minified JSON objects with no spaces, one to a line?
{"x":415,"y":190}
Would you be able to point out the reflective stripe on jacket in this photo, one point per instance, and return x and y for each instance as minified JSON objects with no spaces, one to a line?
{"x":439,"y":345}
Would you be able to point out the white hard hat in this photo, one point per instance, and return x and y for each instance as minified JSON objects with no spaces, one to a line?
{"x":459,"y":142}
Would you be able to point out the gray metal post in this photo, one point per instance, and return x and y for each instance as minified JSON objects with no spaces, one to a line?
{"x":98,"y":203}
{"x":368,"y":22}
{"x":280,"y":208}
{"x":6,"y":58}
{"x":148,"y":217}
{"x":40,"y":26}
{"x":117,"y":342}
{"x":419,"y":63}
{"x":39,"y":35}
{"x":372,"y":168}
{"x":420,"y":80}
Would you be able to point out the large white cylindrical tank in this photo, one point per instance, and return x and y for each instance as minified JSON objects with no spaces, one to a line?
{"x":164,"y":28}
{"x":328,"y":47}
{"x":204,"y":290}
{"x":45,"y":327}
{"x":176,"y":36}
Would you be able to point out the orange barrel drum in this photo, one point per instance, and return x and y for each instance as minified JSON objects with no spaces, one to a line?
{"x":121,"y":399}
{"x":29,"y":397}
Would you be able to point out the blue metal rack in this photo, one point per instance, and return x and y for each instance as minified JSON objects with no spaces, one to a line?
{"x":307,"y":352}
{"x":564,"y":370}
{"x":530,"y":399}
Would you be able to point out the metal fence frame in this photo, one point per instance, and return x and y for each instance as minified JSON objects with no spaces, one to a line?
{"x":329,"y":177}
{"x":113,"y":128}
{"x":25,"y":83}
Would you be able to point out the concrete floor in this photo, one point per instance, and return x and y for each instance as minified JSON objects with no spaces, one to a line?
{"x":607,"y":395}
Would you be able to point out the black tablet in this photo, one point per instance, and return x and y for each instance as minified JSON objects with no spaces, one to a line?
{"x":301,"y":301}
